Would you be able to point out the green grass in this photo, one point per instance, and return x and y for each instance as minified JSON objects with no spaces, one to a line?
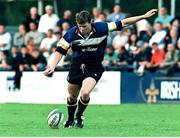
{"x":101,"y":120}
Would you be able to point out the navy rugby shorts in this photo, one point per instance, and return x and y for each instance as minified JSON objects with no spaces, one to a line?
{"x":79,"y":72}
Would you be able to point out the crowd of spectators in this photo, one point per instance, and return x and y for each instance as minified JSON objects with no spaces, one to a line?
{"x":139,"y":47}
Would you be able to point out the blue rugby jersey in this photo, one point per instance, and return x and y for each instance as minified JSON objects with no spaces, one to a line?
{"x":90,"y":49}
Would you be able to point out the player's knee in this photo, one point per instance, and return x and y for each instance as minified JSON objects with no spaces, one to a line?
{"x":72,"y":98}
{"x":85,"y":96}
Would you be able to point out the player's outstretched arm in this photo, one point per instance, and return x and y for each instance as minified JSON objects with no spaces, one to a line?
{"x":54,"y":59}
{"x":134,"y":19}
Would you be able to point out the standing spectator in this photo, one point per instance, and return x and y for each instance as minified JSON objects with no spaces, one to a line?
{"x":5,"y":40}
{"x":66,"y":18}
{"x":163,"y":17}
{"x":32,"y":17}
{"x":15,"y":61}
{"x":117,"y":14}
{"x":48,"y":20}
{"x":46,"y":44}
{"x":33,"y":33}
{"x":19,"y":37}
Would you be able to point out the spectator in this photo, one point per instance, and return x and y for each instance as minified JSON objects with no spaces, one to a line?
{"x":66,"y":18}
{"x":15,"y":61}
{"x":5,"y":40}
{"x":143,"y":30}
{"x":143,"y":58}
{"x":25,"y":63}
{"x":46,"y":44}
{"x":171,"y":59}
{"x":32,"y":17}
{"x":178,"y":47}
{"x":30,"y":45}
{"x":48,"y":20}
{"x":58,"y":35}
{"x":38,"y":61}
{"x":65,"y":28}
{"x":33,"y":33}
{"x":117,"y":14}
{"x":120,"y":39}
{"x":163,"y":17}
{"x":110,"y":57}
{"x":157,"y":57}
{"x":159,"y":36}
{"x":19,"y":37}
{"x":4,"y":62}
{"x":172,"y":37}
{"x":95,"y":14}
{"x":121,"y":62}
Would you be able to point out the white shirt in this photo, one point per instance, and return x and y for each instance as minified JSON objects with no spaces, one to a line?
{"x":47,"y":42}
{"x":47,"y":22}
{"x":5,"y":39}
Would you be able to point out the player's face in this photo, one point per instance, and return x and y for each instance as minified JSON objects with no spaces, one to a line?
{"x":85,"y":29}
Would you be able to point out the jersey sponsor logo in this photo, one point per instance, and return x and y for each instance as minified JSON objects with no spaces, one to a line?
{"x":91,"y":41}
{"x":89,"y":49}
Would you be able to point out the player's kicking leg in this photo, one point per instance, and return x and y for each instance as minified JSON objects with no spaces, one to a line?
{"x":87,"y":86}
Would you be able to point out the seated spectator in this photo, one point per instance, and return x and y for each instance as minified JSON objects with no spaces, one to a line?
{"x":66,"y":18}
{"x":172,"y":37}
{"x":144,"y":30}
{"x":95,"y":14}
{"x":38,"y":61}
{"x":25,"y":63}
{"x":4,"y":62}
{"x":58,"y":35}
{"x":30,"y":45}
{"x":178,"y":48}
{"x":65,"y":28}
{"x":110,"y":57}
{"x":163,"y":17}
{"x":159,"y":36}
{"x":46,"y":44}
{"x":157,"y":58}
{"x":122,"y":58}
{"x":120,"y":39}
{"x":143,"y":58}
{"x":48,"y":20}
{"x":171,"y":60}
{"x":5,"y":40}
{"x":117,"y":14}
{"x":33,"y":33}
{"x":32,"y":17}
{"x":19,"y":37}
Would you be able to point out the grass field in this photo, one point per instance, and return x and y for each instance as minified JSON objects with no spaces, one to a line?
{"x":101,"y":120}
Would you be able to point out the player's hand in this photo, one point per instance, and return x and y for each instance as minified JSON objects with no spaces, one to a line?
{"x":150,"y":13}
{"x":49,"y":70}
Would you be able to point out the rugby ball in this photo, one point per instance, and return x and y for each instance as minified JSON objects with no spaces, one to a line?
{"x":54,"y":118}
